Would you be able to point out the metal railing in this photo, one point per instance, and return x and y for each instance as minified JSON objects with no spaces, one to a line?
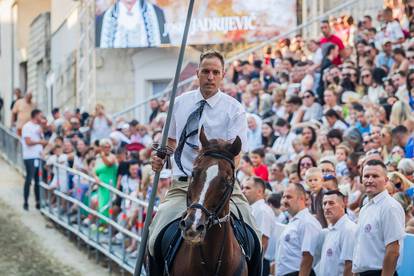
{"x":357,"y":8}
{"x":56,"y":205}
{"x":70,"y":213}
{"x":11,"y":148}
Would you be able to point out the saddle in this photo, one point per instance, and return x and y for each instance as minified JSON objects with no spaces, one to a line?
{"x":169,"y":241}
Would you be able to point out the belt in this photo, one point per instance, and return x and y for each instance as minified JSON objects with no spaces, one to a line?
{"x":183,"y":178}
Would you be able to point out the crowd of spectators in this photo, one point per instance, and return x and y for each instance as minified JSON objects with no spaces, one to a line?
{"x":113,"y":153}
{"x":332,"y":103}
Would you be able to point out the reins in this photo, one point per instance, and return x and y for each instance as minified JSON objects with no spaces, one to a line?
{"x":212,"y":217}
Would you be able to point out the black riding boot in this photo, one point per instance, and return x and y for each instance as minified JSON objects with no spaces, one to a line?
{"x":255,"y":263}
{"x":155,"y":268}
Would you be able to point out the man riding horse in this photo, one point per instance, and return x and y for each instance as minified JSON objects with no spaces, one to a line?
{"x":222,"y":117}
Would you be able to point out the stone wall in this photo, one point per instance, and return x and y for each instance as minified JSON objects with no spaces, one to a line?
{"x":39,"y":60}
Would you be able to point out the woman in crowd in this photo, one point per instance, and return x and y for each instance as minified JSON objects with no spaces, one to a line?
{"x":401,"y":63}
{"x":305,"y":162}
{"x":309,"y":141}
{"x":410,"y":88}
{"x":372,"y":85}
{"x":100,"y":124}
{"x":268,"y":134}
{"x":278,"y":107}
{"x":81,"y":150}
{"x":106,"y":172}
{"x":245,"y":169}
{"x":312,"y":109}
{"x":386,"y":142}
{"x":331,"y":100}
{"x":400,"y":113}
{"x":335,"y":137}
{"x":330,"y":54}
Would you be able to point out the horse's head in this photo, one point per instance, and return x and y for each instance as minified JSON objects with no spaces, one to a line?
{"x":210,"y":188}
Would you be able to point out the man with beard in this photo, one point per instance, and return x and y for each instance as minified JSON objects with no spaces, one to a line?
{"x":132,"y":23}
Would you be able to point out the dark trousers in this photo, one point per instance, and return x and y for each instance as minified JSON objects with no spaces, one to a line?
{"x":296,"y":273}
{"x":374,"y":273}
{"x":266,"y":267}
{"x":32,"y":172}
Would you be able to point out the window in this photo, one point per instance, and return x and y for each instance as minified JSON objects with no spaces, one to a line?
{"x":158,"y":86}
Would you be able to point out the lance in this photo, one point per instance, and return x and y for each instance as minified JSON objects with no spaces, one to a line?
{"x":161,"y":152}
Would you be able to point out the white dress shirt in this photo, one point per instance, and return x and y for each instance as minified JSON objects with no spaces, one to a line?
{"x":300,"y":235}
{"x":381,"y":222}
{"x":264,"y":218}
{"x":338,"y":247}
{"x":223,"y":117}
{"x":273,"y":244}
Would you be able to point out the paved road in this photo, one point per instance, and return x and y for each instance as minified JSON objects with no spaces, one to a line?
{"x":27,"y":246}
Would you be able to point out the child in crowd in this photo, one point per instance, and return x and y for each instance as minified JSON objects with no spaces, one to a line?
{"x":298,"y":148}
{"x":60,"y":179}
{"x":314,"y":180}
{"x":259,"y":169}
{"x":131,"y":185}
{"x":341,"y":154}
{"x":80,"y":191}
{"x":245,"y":169}
{"x":330,"y":183}
{"x":90,"y":196}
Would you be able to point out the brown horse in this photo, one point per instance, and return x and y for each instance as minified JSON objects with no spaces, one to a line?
{"x":210,"y":247}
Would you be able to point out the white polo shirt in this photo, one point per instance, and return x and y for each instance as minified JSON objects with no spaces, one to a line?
{"x":300,"y":235}
{"x":264,"y":218}
{"x":381,"y":222}
{"x":338,"y":247}
{"x":223,"y":117}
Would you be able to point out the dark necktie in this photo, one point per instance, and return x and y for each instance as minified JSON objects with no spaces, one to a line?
{"x":190,"y":129}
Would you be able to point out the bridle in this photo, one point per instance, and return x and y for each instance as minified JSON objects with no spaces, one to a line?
{"x":212,"y":216}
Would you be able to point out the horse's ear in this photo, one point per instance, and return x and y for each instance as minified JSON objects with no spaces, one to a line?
{"x":235,"y":148}
{"x":203,"y":138}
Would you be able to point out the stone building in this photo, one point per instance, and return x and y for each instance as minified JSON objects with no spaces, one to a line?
{"x":48,"y":47}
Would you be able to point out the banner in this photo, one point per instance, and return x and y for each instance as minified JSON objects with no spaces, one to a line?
{"x":154,"y":23}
